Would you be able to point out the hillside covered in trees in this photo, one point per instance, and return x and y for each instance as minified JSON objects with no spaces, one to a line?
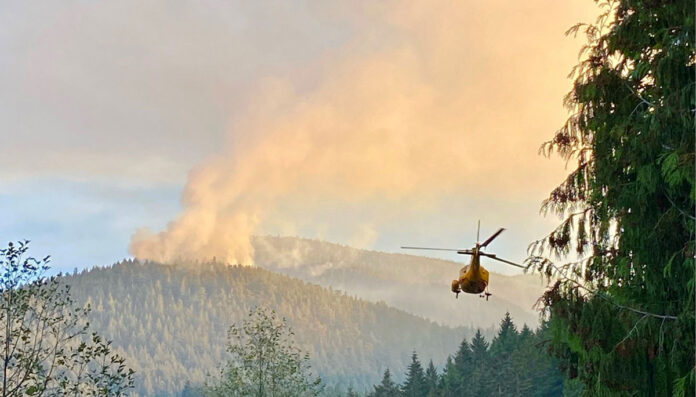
{"x":170,"y":322}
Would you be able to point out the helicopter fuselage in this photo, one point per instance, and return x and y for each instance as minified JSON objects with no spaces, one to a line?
{"x":473,"y":279}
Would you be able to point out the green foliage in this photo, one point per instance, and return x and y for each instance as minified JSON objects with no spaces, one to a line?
{"x":179,"y":315}
{"x":415,"y":384}
{"x":505,"y":343}
{"x":622,"y":312}
{"x":506,"y":339}
{"x":431,"y":379}
{"x":387,"y":388}
{"x":265,"y":361}
{"x":45,"y":344}
{"x":516,"y":364}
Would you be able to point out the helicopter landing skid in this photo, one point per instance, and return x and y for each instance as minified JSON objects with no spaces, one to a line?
{"x":485,"y":294}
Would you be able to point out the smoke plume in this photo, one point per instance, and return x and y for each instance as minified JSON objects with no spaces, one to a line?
{"x":429,"y":99}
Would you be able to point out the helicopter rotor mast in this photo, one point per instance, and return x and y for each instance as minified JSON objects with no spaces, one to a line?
{"x":478,"y":231}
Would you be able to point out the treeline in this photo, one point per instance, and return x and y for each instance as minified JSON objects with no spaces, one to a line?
{"x":514,"y":363}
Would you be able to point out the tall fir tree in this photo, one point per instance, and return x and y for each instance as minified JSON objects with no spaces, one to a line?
{"x":431,"y":379}
{"x":461,"y":370}
{"x":506,"y":339}
{"x":502,"y":348}
{"x":414,"y":385}
{"x":480,"y":376}
{"x":525,"y":334}
{"x":450,"y":380}
{"x":462,"y":360}
{"x":387,"y":388}
{"x":479,"y":348}
{"x":623,"y":314}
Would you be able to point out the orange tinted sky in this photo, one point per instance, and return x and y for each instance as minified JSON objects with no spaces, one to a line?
{"x":366,"y":123}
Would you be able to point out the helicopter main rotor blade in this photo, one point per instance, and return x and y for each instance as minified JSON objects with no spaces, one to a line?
{"x":431,"y":249}
{"x":459,"y":251}
{"x":491,"y":238}
{"x":493,"y":256}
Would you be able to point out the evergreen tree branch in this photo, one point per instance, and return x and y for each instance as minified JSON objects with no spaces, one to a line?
{"x":566,"y":278}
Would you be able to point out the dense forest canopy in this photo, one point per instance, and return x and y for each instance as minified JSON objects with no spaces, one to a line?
{"x":170,"y":322}
{"x":514,"y":363}
{"x":622,"y":313}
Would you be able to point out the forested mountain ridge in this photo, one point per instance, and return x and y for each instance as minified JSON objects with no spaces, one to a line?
{"x":412,"y":283}
{"x":170,"y":322}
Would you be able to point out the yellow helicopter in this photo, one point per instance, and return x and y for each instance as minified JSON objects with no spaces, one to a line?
{"x":473,"y":278}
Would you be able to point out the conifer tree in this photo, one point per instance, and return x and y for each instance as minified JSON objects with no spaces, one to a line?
{"x":415,"y":385}
{"x":460,"y":370}
{"x":450,"y":380}
{"x":387,"y":388}
{"x":502,"y":348}
{"x":506,"y":339}
{"x":462,"y":360}
{"x":479,"y":348}
{"x":623,"y":314}
{"x":431,"y":379}
{"x":527,"y":362}
{"x":479,"y":377}
{"x":525,"y":334}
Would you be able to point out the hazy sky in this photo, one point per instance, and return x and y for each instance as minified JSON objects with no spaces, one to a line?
{"x":369,"y":123}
